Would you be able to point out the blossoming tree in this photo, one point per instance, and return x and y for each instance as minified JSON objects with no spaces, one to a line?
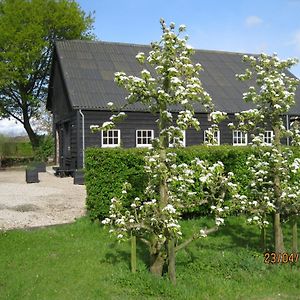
{"x":274,"y":186}
{"x":173,"y":81}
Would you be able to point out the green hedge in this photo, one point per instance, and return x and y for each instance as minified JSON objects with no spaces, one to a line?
{"x":16,"y":149}
{"x":105,"y":172}
{"x":107,"y":169}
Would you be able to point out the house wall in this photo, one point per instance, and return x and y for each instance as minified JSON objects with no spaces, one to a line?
{"x":133,"y":121}
{"x":61,"y":107}
{"x":139,"y":120}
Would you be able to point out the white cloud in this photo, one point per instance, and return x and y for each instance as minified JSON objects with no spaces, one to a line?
{"x":11,"y":128}
{"x":253,"y":21}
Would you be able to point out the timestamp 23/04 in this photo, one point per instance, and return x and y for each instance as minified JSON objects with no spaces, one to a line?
{"x":276,"y":258}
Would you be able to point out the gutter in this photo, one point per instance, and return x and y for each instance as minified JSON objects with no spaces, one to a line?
{"x":83,"y":138}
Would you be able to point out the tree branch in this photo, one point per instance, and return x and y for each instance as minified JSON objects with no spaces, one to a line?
{"x":195,"y":237}
{"x":15,"y":117}
{"x":146,"y":242}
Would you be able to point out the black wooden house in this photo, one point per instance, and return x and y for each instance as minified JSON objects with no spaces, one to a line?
{"x":82,"y":83}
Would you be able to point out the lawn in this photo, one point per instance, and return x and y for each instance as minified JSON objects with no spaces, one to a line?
{"x":81,"y":261}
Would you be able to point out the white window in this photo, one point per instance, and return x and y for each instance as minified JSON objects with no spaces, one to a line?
{"x":111,"y":138}
{"x":268,"y":137}
{"x":239,"y":138}
{"x":144,"y":137}
{"x":180,"y":141}
{"x":216,"y":137}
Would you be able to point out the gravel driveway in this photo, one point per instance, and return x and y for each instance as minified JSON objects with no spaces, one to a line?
{"x":52,"y":201}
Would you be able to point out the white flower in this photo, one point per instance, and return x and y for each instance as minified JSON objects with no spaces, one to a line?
{"x":94,"y":126}
{"x":124,"y":192}
{"x":170,"y":208}
{"x":110,"y":104}
{"x":182,"y":27}
{"x":133,"y":205}
{"x":120,"y":236}
{"x":106,"y":221}
{"x":185,"y":101}
{"x":106,"y":124}
{"x":203,"y":233}
{"x":219,"y":221}
{"x":255,"y":218}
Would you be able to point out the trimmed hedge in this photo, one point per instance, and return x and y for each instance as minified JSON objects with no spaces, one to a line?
{"x":16,"y":149}
{"x":107,"y":170}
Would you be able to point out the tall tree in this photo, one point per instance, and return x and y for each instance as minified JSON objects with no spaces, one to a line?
{"x":172,"y":188}
{"x":273,"y":188}
{"x":28,"y":30}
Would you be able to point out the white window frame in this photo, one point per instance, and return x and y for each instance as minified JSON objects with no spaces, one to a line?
{"x":183,"y":141}
{"x":239,"y":144}
{"x":218,"y":137}
{"x":269,"y":137}
{"x":138,"y":145}
{"x":110,"y":145}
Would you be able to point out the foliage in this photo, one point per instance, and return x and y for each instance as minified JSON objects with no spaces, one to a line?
{"x":107,"y":169}
{"x":274,"y":184}
{"x":10,"y":147}
{"x":28,"y":30}
{"x":105,"y":172}
{"x":45,"y":148}
{"x":173,"y":80}
{"x":81,"y":261}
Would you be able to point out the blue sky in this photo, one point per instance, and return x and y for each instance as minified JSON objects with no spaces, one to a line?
{"x":251,"y":26}
{"x":232,"y":25}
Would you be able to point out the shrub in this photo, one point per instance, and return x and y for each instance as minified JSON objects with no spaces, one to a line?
{"x":45,"y":148}
{"x":107,"y":170}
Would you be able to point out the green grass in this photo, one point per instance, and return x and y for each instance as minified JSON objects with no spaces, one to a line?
{"x":81,"y":261}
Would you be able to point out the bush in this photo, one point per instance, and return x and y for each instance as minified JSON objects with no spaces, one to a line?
{"x":45,"y":148}
{"x":16,"y":149}
{"x":107,"y":170}
{"x":14,"y":161}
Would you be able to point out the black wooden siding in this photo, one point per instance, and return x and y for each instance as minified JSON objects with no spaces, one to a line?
{"x":133,"y":122}
{"x":61,"y":108}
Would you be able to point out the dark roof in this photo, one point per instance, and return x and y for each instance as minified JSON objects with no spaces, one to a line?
{"x":88,"y":69}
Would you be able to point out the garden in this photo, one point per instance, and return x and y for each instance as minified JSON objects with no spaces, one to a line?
{"x":177,"y":223}
{"x":82,"y":261}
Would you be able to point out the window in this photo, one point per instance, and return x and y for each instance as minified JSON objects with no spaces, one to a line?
{"x":144,"y":138}
{"x":216,"y":137}
{"x":111,"y":138}
{"x":268,"y":137}
{"x":239,"y":138}
{"x":180,"y":141}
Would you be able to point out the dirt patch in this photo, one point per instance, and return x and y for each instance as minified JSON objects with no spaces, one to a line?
{"x":52,"y":201}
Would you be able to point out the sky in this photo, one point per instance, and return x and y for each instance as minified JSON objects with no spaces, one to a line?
{"x":252,"y":26}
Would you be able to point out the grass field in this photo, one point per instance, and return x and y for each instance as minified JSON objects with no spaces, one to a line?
{"x":81,"y":261}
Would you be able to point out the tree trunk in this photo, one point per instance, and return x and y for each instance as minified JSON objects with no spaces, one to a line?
{"x":157,"y":262}
{"x":34,"y":138}
{"x":171,"y":261}
{"x":278,"y":236}
{"x":263,"y":238}
{"x":133,"y":253}
{"x":295,"y":235}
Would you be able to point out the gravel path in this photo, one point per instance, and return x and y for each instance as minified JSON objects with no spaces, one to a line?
{"x":52,"y":201}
